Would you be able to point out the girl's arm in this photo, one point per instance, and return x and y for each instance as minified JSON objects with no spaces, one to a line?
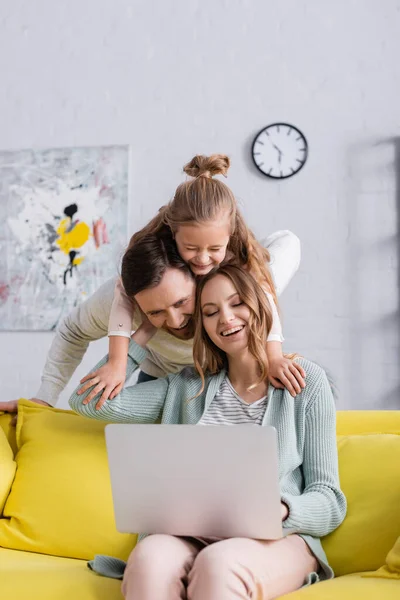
{"x":112,"y":373}
{"x":139,"y":403}
{"x":322,"y":505}
{"x":121,"y":314}
{"x":275,"y":335}
{"x":285,"y":255}
{"x":283,"y":372}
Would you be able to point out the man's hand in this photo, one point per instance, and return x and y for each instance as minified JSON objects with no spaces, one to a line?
{"x":12,"y":407}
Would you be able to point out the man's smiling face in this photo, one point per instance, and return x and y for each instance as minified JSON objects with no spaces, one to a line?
{"x":170,"y":304}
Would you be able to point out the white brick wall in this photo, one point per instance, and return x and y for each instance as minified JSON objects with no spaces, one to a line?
{"x":173,"y":78}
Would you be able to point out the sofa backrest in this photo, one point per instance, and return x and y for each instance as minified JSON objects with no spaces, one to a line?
{"x":356,"y":422}
{"x":349,"y":422}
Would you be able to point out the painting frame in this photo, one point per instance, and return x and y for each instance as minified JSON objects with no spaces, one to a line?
{"x":63,"y":228}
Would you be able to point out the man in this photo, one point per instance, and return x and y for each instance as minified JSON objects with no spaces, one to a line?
{"x":163,"y":287}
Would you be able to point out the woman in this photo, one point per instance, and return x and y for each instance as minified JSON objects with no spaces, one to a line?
{"x":228,"y":385}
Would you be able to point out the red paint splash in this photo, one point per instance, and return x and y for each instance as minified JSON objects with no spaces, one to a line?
{"x":100,"y":233}
{"x":4,"y":292}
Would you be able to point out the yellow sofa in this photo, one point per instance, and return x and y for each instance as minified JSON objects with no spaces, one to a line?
{"x":56,"y":508}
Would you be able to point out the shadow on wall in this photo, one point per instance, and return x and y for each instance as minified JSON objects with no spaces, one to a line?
{"x":373,"y":272}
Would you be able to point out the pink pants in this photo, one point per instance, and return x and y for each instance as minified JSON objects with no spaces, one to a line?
{"x":164,"y":567}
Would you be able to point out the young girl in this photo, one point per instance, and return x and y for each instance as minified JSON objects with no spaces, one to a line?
{"x":208,"y":230}
{"x":229,"y":385}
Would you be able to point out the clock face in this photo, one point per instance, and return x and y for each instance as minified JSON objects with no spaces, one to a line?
{"x":279,"y":150}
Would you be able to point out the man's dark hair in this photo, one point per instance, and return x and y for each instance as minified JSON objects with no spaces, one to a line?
{"x":145,"y":262}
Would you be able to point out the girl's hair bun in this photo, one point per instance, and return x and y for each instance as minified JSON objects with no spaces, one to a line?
{"x":207,"y":166}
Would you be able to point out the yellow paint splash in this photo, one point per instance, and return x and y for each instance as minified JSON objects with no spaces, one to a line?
{"x":70,"y":240}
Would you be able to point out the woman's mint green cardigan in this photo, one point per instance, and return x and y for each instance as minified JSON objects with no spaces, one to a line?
{"x":306,"y":428}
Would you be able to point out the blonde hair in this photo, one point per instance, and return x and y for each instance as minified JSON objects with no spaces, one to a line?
{"x":202,"y":199}
{"x":207,"y":357}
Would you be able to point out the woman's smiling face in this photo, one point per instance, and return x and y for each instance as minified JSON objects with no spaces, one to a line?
{"x":225,"y":316}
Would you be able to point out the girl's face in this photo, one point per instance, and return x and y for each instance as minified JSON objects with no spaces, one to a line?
{"x":225,"y":316}
{"x":203,"y":245}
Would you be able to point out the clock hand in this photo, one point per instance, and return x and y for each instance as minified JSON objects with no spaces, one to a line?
{"x":277,"y":149}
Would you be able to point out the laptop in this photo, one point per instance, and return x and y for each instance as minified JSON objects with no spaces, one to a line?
{"x":195,"y":480}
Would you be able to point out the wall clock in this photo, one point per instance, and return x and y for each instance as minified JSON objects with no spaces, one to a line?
{"x":279,"y":150}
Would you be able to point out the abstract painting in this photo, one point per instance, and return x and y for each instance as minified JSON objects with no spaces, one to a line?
{"x":63,"y":227}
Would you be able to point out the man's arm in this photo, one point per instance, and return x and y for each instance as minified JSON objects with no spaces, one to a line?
{"x":86,"y":323}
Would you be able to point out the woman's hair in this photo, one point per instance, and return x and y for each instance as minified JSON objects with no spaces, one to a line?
{"x":145,"y":262}
{"x":202,"y":199}
{"x":207,"y":357}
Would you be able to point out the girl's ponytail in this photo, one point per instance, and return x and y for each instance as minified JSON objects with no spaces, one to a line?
{"x":207,"y":166}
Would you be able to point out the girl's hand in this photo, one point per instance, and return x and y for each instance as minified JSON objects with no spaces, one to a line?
{"x":110,"y":378}
{"x":286,"y":373}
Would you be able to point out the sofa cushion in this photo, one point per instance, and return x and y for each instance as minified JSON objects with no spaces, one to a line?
{"x":7,"y":469}
{"x":60,"y":502}
{"x":9,"y":430}
{"x":390,"y":570}
{"x":348,"y":587}
{"x":39,"y":577}
{"x":368,"y":467}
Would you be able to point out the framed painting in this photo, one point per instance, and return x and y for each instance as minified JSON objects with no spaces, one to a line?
{"x":63,"y":227}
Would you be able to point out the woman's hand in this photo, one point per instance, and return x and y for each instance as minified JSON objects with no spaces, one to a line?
{"x":286,"y":373}
{"x":110,"y":379}
{"x":284,"y":511}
